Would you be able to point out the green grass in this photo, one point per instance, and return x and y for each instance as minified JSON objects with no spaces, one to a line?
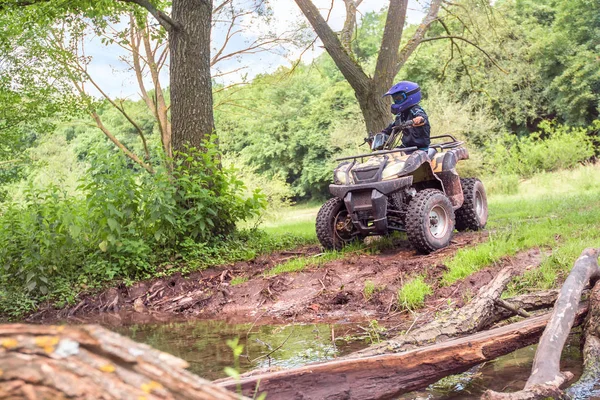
{"x":301,"y":229}
{"x":412,"y":294}
{"x":558,"y":211}
{"x":301,"y":263}
{"x":238,"y":280}
{"x":369,"y":289}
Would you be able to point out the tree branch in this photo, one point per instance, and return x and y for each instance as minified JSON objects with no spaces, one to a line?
{"x":429,"y":39}
{"x":349,"y":24}
{"x":165,"y":20}
{"x":348,"y":67}
{"x":385,"y":69}
{"x":412,"y":44}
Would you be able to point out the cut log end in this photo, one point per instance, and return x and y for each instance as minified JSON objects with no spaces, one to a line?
{"x":88,"y":361}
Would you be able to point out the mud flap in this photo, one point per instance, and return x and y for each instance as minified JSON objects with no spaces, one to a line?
{"x":379,"y":211}
{"x":452,"y":187}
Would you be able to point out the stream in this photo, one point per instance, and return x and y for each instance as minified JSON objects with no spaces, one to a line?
{"x":203,"y":345}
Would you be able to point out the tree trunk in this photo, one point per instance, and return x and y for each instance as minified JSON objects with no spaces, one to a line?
{"x":90,"y":362}
{"x":387,"y":376}
{"x":191,"y":88}
{"x":375,"y":109}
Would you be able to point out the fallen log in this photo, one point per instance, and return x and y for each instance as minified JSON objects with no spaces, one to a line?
{"x":389,"y":375}
{"x":586,"y":386}
{"x":469,"y":319}
{"x":90,"y":362}
{"x":480,"y":313}
{"x":546,"y":378}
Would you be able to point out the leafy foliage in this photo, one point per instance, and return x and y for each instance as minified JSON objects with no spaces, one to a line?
{"x":125,"y":224}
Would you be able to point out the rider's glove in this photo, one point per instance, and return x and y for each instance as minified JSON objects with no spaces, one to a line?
{"x":418,"y":121}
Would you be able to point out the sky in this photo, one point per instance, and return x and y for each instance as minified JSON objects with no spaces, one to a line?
{"x":113,"y":75}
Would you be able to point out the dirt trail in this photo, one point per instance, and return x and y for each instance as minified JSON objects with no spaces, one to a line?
{"x":330,"y":293}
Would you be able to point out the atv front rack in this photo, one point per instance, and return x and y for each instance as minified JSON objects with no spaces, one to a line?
{"x":442,"y":146}
{"x":377,"y":153}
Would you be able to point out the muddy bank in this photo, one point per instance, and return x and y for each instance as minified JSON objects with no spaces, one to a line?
{"x":330,"y":293}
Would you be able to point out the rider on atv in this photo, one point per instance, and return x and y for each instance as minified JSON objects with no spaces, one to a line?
{"x":406,"y":96}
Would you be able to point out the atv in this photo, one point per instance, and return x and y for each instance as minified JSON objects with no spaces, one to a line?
{"x":402,"y":189}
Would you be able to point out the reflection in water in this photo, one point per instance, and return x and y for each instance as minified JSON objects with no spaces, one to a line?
{"x":202,"y":344}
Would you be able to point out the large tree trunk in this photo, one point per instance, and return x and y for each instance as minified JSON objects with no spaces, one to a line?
{"x":375,"y":109}
{"x":191,"y":88}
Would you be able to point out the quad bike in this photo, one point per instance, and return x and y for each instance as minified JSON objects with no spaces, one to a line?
{"x":402,"y":189}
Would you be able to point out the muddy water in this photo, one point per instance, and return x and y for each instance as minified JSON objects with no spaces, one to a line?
{"x":203,"y":343}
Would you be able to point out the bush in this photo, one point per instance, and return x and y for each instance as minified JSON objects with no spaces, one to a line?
{"x":554,"y":147}
{"x":124,"y":224}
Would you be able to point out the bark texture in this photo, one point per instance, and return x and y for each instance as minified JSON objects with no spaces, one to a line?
{"x":546,"y":378}
{"x":387,"y":376}
{"x":90,"y":362}
{"x":191,"y":88}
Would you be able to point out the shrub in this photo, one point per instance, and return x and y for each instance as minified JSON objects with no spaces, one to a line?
{"x":553,"y":147}
{"x":123,"y":225}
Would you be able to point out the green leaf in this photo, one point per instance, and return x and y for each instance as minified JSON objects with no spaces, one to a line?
{"x":74,"y":230}
{"x":31,"y":285}
{"x":103,"y":245}
{"x":231,"y":372}
{"x":113,"y":224}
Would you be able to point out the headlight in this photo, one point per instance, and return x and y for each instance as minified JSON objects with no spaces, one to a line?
{"x":393,"y":170}
{"x":341,"y":175}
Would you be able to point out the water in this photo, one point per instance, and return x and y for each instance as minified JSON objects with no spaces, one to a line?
{"x":203,"y":344}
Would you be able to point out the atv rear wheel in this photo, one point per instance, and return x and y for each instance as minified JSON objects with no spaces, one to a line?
{"x":429,"y":221}
{"x":473,"y":214}
{"x":334,"y":226}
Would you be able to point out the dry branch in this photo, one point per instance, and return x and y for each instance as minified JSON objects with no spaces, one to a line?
{"x":90,"y":362}
{"x":546,"y":378}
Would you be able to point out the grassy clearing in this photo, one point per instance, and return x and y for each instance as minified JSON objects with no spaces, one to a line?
{"x":559,"y":211}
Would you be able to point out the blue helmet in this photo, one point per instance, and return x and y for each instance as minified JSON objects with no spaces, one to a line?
{"x":405,"y":94}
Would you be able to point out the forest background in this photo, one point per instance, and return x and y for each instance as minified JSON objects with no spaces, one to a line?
{"x":76,"y":213}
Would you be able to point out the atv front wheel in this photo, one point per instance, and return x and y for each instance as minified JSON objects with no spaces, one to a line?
{"x":429,"y":221}
{"x":473,"y":214}
{"x":334,"y":225}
